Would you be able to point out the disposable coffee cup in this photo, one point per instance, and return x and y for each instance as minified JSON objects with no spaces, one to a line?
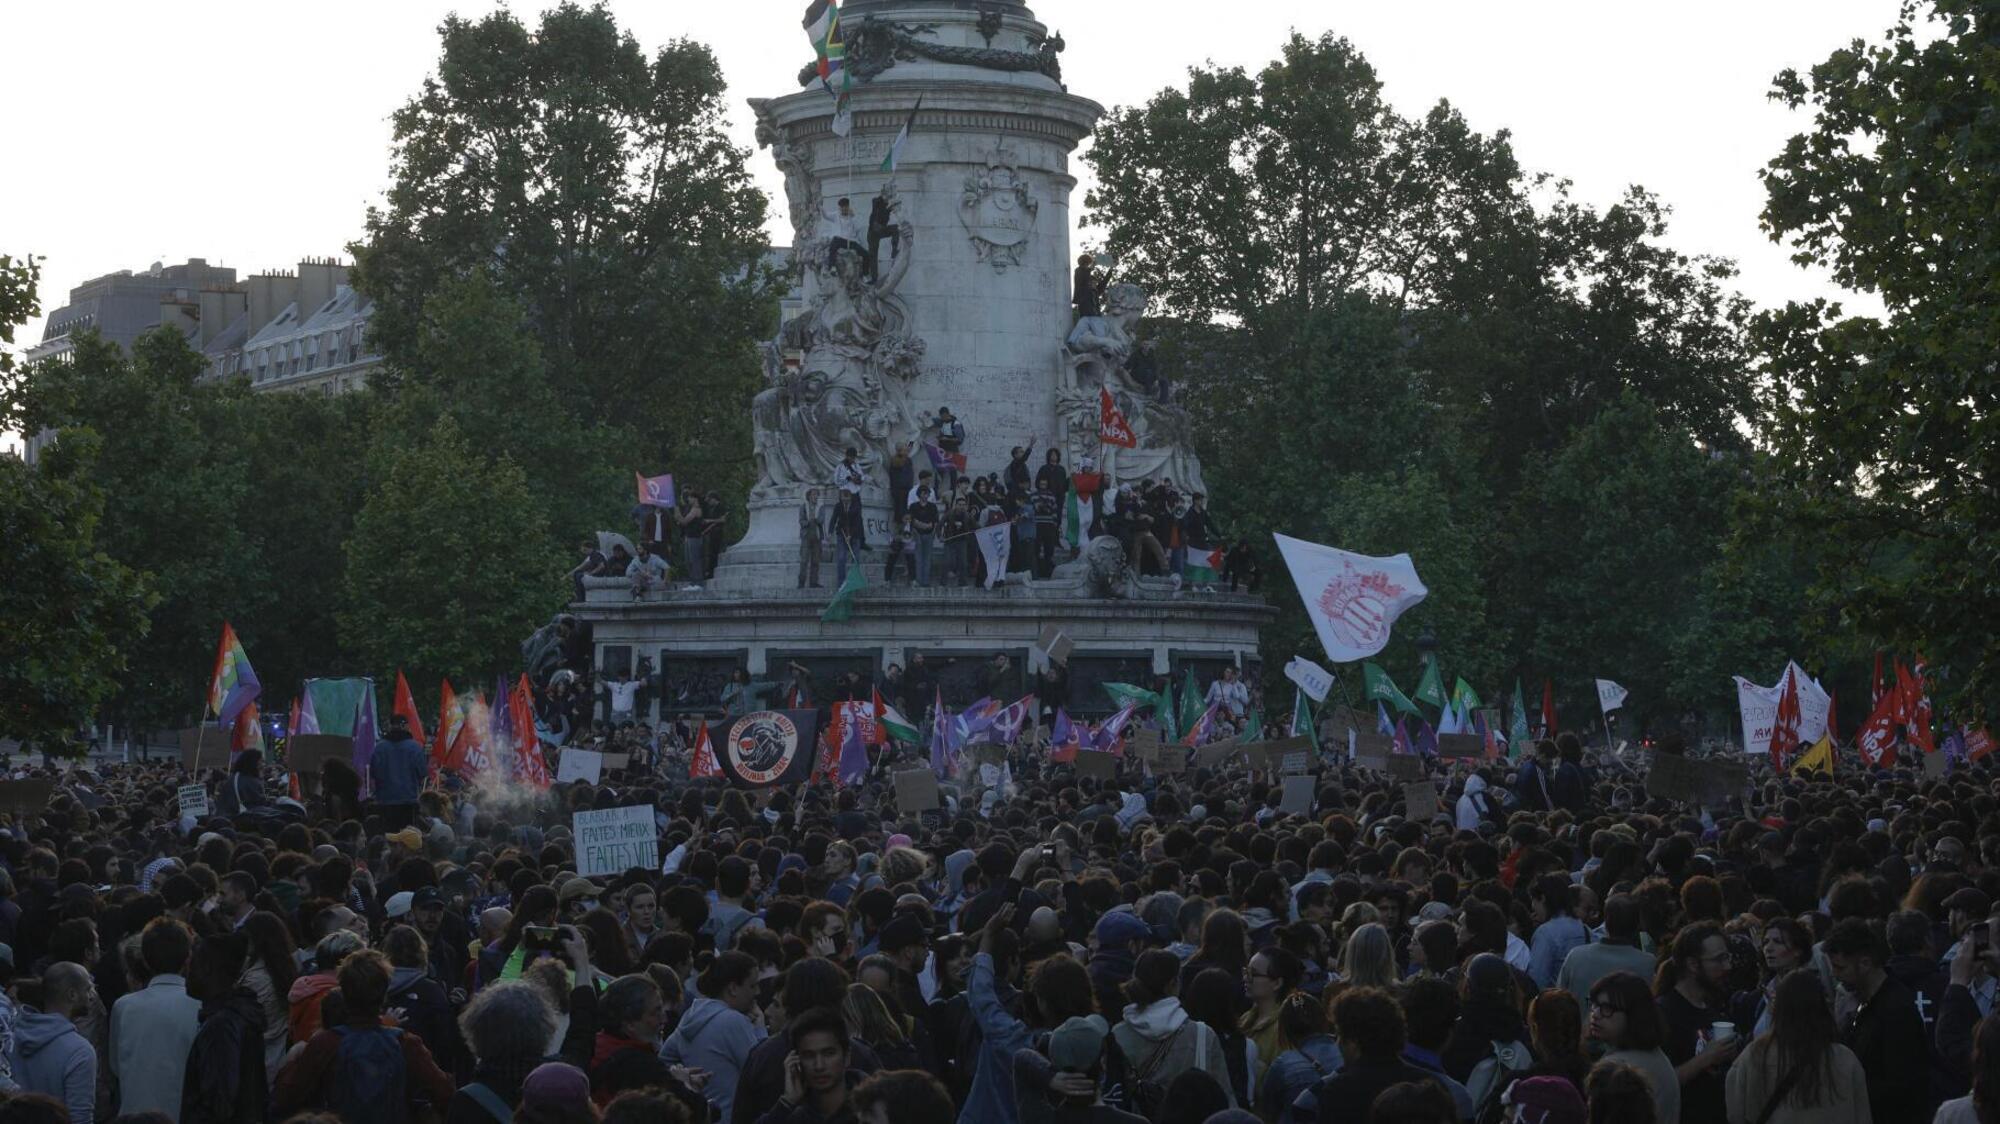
{"x":1718,"y":1033}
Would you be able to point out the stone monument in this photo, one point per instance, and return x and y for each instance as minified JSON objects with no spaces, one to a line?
{"x":944,"y":283}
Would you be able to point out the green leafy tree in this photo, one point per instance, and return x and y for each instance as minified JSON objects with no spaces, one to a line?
{"x":448,"y":569}
{"x":1885,"y":431}
{"x":69,"y":613}
{"x":595,"y":187}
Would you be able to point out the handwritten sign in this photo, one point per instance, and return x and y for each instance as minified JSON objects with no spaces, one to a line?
{"x":1172,"y":760}
{"x":614,"y":840}
{"x":580,"y":765}
{"x":193,"y":799}
{"x":1145,"y":743}
{"x":916,"y":791}
{"x":1372,"y":745}
{"x":1404,"y":766}
{"x":1093,"y":763}
{"x":1420,"y":801}
{"x":616,"y":762}
{"x":1298,"y":796}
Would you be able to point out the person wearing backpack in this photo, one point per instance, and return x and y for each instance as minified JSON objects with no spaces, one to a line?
{"x":362,"y":1071}
{"x":1157,"y":1041}
{"x":507,"y":1028}
{"x":1475,"y":805}
{"x":1064,"y":1085}
{"x":1309,"y":1054}
{"x":1482,"y":1046}
{"x":728,"y":916}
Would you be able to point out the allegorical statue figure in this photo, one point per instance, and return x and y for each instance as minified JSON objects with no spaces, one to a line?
{"x":1104,"y":352}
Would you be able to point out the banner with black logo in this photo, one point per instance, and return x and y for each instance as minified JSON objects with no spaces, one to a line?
{"x":769,"y":747}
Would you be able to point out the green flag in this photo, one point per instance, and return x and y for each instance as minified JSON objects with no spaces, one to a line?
{"x":1430,"y":688}
{"x":1464,"y":697}
{"x":1517,"y":733}
{"x":842,"y":605}
{"x":1378,"y":685}
{"x":1253,"y":728}
{"x":1302,"y":718}
{"x":1191,"y":702}
{"x":1164,"y":711}
{"x":1122,"y":693}
{"x":1072,"y":520}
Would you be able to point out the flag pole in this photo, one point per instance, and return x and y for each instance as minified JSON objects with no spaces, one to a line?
{"x":200,"y":739}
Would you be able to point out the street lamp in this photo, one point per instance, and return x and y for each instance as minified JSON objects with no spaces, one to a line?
{"x":1427,"y":644}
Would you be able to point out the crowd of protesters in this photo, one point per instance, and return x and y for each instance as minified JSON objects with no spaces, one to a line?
{"x":1168,"y":949}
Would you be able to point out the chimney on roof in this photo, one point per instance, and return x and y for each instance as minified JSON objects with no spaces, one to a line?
{"x":318,"y":278}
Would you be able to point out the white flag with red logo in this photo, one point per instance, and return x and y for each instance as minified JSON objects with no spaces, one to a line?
{"x":1353,"y":599}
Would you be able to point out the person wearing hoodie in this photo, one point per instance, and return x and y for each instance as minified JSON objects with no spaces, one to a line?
{"x":1156,"y":1040}
{"x":1116,"y":944}
{"x":309,"y":991}
{"x":397,"y":769}
{"x":50,"y":1055}
{"x":1475,"y":805}
{"x":625,"y":1054}
{"x":720,"y":1027}
{"x":1307,"y":1053}
{"x":425,"y":1006}
{"x":224,"y":1080}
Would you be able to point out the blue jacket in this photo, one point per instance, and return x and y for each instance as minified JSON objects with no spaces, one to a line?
{"x":51,"y":1057}
{"x":718,"y":1038}
{"x":992,"y":1094}
{"x":1295,"y":1071}
{"x":398,"y":768}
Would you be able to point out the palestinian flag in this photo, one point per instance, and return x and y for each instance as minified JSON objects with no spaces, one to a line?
{"x":1203,"y":566}
{"x":1072,"y":519}
{"x":891,"y":724}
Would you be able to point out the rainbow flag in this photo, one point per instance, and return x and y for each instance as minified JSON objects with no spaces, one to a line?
{"x":1203,"y":565}
{"x":234,"y":684}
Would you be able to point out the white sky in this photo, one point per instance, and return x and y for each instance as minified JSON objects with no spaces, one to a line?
{"x":255,"y":132}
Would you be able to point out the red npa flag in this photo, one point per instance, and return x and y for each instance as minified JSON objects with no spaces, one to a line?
{"x":406,"y":705}
{"x":1877,"y":737}
{"x":1785,"y":731}
{"x":704,"y":763}
{"x":1916,"y":707}
{"x":527,"y":744}
{"x":448,"y":718}
{"x":1113,"y":429}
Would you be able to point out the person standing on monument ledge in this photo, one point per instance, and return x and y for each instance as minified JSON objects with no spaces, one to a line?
{"x":951,"y":439}
{"x":809,"y":539}
{"x":1086,"y":292}
{"x":902,"y":480}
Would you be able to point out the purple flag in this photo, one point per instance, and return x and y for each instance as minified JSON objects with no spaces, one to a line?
{"x":941,"y":748}
{"x":853,"y":747}
{"x":1107,"y":736}
{"x":364,"y":734}
{"x":1008,"y":721}
{"x":1064,"y":739}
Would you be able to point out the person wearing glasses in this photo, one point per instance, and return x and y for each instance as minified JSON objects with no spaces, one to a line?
{"x":1699,"y":1035}
{"x":1624,"y":1017}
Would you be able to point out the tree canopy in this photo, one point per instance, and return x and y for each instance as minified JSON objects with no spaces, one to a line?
{"x":1884,"y":432}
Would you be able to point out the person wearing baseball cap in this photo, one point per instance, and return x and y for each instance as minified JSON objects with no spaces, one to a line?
{"x":1064,"y":1081}
{"x":577,"y":897}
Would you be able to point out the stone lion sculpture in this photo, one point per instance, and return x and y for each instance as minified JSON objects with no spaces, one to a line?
{"x":1102,"y":570}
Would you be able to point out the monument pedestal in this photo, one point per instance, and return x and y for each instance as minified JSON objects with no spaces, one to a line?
{"x":696,"y":638}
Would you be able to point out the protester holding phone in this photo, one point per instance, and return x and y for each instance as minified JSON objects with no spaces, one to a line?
{"x":818,"y":1082}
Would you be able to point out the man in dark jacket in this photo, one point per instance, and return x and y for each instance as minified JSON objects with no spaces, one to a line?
{"x":819,"y":1086}
{"x":1372,"y":1037}
{"x":1885,"y":1032}
{"x":397,"y":769}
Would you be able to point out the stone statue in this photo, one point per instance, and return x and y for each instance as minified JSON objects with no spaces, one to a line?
{"x":1101,"y":570}
{"x":802,"y":190}
{"x":837,"y":376}
{"x":543,"y":654}
{"x":998,"y":210}
{"x":1098,"y":351}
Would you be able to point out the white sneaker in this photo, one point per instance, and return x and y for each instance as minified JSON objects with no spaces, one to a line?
{"x":1177,"y":583}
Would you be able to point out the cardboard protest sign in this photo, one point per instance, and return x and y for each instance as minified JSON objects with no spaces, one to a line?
{"x":1707,"y":780}
{"x":1271,"y":756}
{"x":916,"y":791}
{"x":1420,"y":801}
{"x":1405,"y":766}
{"x":1298,"y":796}
{"x":1461,"y":745}
{"x":1055,"y":644}
{"x":26,"y":797}
{"x":1297,"y":761}
{"x":614,"y":840}
{"x":1936,"y":764}
{"x":580,"y":765}
{"x":1173,"y":759}
{"x":193,"y":800}
{"x":617,"y":762}
{"x":210,"y":743}
{"x":1145,"y":743}
{"x":1214,"y":754}
{"x":306,"y":752}
{"x":1367,"y":744}
{"x":1097,"y":764}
